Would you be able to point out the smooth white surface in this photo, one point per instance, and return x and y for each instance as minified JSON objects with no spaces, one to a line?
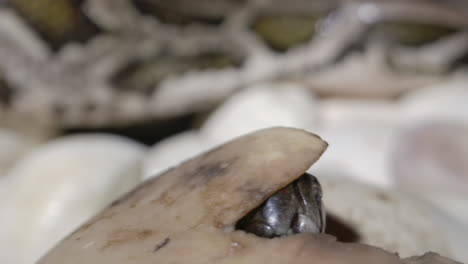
{"x":262,"y":106}
{"x":12,"y":146}
{"x":393,"y":220}
{"x":360,"y":150}
{"x":173,"y":150}
{"x":58,"y":186}
{"x":444,"y":101}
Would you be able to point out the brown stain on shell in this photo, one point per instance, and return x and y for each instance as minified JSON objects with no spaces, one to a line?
{"x":207,"y":172}
{"x":205,"y":194}
{"x":120,"y":237}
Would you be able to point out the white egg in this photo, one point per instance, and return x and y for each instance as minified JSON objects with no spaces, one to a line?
{"x":360,"y":133}
{"x":430,"y":159}
{"x":432,"y":156}
{"x":339,"y":111}
{"x":12,"y":146}
{"x":359,"y":150}
{"x":58,"y":186}
{"x":393,"y":220}
{"x":444,"y":101}
{"x":262,"y":106}
{"x":172,"y":151}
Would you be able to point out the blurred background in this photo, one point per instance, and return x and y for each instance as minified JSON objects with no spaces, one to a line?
{"x":98,"y":95}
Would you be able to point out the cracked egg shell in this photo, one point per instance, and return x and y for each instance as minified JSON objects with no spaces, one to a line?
{"x":187,"y":214}
{"x":186,"y":211}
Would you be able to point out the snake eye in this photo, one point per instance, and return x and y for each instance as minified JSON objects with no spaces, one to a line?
{"x":411,"y":34}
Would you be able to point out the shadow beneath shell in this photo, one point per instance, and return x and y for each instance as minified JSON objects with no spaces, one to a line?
{"x":338,"y":228}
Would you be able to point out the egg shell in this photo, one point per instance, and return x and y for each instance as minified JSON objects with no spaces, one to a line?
{"x":187,"y":214}
{"x":59,"y":185}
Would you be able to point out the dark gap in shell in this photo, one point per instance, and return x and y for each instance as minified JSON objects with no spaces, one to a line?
{"x":338,"y":228}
